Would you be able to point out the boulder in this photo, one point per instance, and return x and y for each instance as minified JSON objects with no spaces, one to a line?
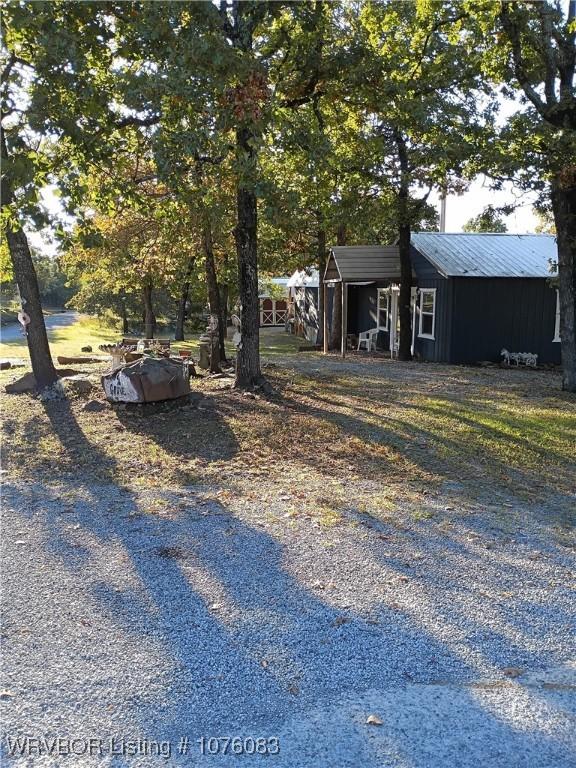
{"x":148,"y":380}
{"x":76,"y":385}
{"x":94,"y":406}
{"x":86,"y":349}
{"x":26,"y":383}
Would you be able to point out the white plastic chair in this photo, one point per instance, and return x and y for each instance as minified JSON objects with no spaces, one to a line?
{"x":368,"y":338}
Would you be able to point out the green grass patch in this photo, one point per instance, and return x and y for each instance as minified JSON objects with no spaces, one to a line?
{"x":67,"y":340}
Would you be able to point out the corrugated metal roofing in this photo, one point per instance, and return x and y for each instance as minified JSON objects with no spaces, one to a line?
{"x":304,"y":277}
{"x":487,"y":255}
{"x":364,"y":262}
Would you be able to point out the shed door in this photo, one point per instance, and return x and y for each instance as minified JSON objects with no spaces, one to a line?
{"x":280,"y":312}
{"x":267,"y":312}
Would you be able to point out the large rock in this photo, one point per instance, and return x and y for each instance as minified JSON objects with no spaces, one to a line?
{"x":148,"y":380}
{"x":76,"y":385}
{"x":94,"y":406}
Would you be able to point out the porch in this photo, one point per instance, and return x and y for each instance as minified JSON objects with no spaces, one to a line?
{"x":365,"y":280}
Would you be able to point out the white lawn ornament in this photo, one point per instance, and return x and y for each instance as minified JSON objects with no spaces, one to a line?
{"x":237,"y":337}
{"x":23,"y":316}
{"x":519,"y":358}
{"x":23,"y":319}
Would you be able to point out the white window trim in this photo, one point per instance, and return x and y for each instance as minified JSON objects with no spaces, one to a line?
{"x":386,"y":293}
{"x":557,"y":318}
{"x":421,"y":314}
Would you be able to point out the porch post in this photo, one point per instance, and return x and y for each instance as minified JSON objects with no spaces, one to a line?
{"x":344,"y":318}
{"x":325,"y":319}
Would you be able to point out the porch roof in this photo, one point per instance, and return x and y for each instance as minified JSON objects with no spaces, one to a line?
{"x":362,"y":263}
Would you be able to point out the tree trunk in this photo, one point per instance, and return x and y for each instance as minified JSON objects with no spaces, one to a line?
{"x":321,"y":259}
{"x":404,"y":349}
{"x":213,"y":298}
{"x":36,"y":337}
{"x":123,"y":316}
{"x":336,"y":329}
{"x":25,"y":276}
{"x":149,"y":316}
{"x":248,"y":372}
{"x":181,"y":312}
{"x":564,"y":207}
{"x":182,"y":302}
{"x":404,"y":233}
{"x":223,"y":319}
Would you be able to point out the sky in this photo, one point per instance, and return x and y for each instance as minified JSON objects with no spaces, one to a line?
{"x":459,"y":209}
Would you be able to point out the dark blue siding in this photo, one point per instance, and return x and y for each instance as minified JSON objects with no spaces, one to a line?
{"x":439,"y":348}
{"x":422,"y":267}
{"x":492,"y":313}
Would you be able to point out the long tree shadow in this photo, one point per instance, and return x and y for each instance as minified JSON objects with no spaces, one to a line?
{"x":224,"y":638}
{"x":439,"y":455}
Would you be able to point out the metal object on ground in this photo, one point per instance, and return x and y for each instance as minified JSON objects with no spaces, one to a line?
{"x":204,"y":351}
{"x":148,"y":380}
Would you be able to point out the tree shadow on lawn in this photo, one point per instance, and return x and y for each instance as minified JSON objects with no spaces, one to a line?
{"x":194,"y":430}
{"x":238,"y":641}
{"x":482,"y":463}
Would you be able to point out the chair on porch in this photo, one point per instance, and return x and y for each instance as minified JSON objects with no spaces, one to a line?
{"x":368,"y":339}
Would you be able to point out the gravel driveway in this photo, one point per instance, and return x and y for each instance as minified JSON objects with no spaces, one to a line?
{"x":205,"y":620}
{"x":14,"y":331}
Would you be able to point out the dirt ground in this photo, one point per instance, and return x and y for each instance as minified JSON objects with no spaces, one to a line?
{"x":382,"y":437}
{"x":377,"y":540}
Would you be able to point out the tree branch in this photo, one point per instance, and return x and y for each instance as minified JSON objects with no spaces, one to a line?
{"x":510,"y":26}
{"x":144,"y":122}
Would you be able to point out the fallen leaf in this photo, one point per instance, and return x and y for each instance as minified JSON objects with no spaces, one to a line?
{"x":339,"y":620}
{"x":374,"y":720}
{"x":6,"y":695}
{"x":512,"y":671}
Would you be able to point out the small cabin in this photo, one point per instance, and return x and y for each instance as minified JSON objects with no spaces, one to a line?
{"x":473,"y":295}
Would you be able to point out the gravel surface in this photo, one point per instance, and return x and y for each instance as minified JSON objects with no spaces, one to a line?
{"x":162,"y":614}
{"x":58,"y":320}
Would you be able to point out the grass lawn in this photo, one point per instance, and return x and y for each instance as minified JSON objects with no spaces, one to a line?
{"x":68,"y":340}
{"x":374,"y":437}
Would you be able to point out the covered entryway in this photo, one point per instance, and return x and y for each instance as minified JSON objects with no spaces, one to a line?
{"x":360,"y":266}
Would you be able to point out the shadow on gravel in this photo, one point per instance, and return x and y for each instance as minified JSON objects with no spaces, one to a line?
{"x":231,"y":641}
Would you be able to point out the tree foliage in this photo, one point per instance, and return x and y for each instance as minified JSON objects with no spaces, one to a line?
{"x":489,"y":220}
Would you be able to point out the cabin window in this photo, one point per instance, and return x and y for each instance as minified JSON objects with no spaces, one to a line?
{"x":383,"y":309}
{"x":557,"y":320}
{"x":427,"y":322}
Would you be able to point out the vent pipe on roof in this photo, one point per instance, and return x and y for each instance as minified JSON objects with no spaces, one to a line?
{"x":443,"y":212}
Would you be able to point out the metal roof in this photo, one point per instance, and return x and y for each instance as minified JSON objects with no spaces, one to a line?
{"x":362,"y":263}
{"x":487,"y":255}
{"x":304,"y":277}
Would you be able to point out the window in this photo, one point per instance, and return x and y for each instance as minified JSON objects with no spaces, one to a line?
{"x":383,"y":308}
{"x":427,"y":313}
{"x":557,"y":320}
